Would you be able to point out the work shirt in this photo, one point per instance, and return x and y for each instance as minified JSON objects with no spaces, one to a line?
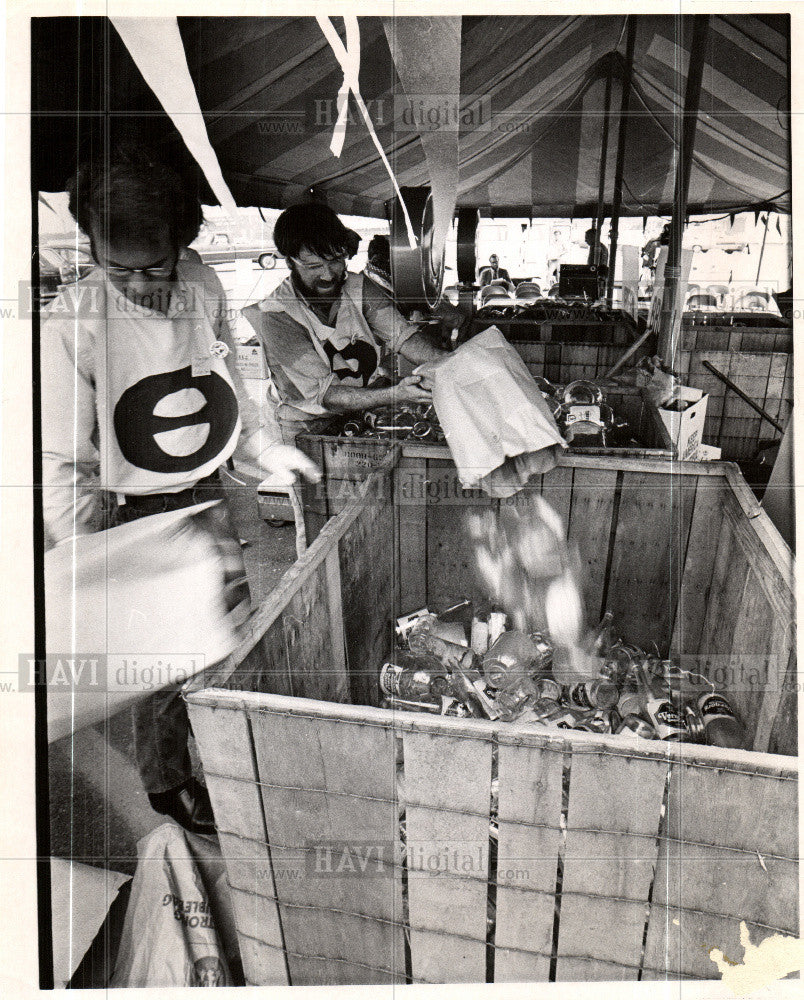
{"x":306,"y":355}
{"x":136,"y":401}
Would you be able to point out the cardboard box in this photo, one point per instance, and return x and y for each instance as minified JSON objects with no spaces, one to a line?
{"x":678,"y":432}
{"x":686,"y":427}
{"x":251,"y":361}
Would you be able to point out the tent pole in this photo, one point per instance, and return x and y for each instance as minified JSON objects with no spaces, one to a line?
{"x":671,"y":304}
{"x":618,"y":169}
{"x":604,"y":149}
{"x":762,"y":250}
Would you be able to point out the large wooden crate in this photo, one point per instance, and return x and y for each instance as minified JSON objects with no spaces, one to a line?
{"x":613,"y":858}
{"x":346,"y":461}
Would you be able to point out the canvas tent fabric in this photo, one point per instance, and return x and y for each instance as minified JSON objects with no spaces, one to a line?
{"x":530,"y":110}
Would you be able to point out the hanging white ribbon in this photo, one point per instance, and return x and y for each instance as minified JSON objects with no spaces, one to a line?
{"x":156,"y":47}
{"x":348,"y":57}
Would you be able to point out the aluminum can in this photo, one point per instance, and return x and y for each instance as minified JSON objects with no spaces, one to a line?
{"x":634,"y":724}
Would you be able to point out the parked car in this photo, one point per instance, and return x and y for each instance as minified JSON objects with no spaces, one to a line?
{"x":62,"y":264}
{"x":221,"y":249}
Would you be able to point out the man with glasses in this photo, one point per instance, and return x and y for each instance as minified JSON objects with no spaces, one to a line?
{"x":326,"y":330}
{"x":142,"y":404}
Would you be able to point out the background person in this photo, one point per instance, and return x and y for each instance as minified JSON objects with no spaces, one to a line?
{"x":495,"y":273}
{"x":598,"y":252}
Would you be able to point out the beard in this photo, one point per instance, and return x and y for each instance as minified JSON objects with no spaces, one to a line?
{"x":317,"y":289}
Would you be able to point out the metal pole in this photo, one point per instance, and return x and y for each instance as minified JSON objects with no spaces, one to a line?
{"x":625,"y":104}
{"x":743,"y":396}
{"x":762,"y":250}
{"x":604,"y":149}
{"x":671,"y":305}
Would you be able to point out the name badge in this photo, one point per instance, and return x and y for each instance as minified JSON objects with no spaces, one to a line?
{"x":201,"y":367}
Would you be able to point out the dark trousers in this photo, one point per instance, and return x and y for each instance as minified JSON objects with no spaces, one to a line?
{"x":160,"y":722}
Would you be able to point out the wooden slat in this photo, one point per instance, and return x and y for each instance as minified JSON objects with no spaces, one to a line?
{"x":313,"y":496}
{"x":317,"y":777}
{"x":652,"y":530}
{"x":592,"y":507}
{"x":332,"y":569}
{"x":704,"y":887}
{"x":613,"y":820}
{"x":442,"y":774}
{"x":557,"y":491}
{"x":751,"y":674}
{"x":529,"y":813}
{"x":776,"y":719}
{"x":697,"y":567}
{"x":410,"y":492}
{"x":720,"y":573}
{"x":316,"y":664}
{"x":678,"y":944}
{"x":571,"y":460}
{"x":764,"y":547}
{"x":450,"y":565}
{"x":224,"y":746}
{"x":784,"y":726}
{"x":366,"y":560}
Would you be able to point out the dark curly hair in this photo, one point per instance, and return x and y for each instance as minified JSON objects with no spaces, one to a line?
{"x":316,"y":228}
{"x":133,"y":191}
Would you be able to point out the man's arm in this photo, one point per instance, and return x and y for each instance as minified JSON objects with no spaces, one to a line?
{"x":346,"y":399}
{"x":70,"y":458}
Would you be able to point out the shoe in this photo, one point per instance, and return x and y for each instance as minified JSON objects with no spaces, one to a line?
{"x":188,"y":804}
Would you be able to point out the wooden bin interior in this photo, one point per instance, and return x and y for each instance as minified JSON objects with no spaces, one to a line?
{"x":614,"y":858}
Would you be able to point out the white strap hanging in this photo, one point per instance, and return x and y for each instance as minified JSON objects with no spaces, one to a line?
{"x":348,"y":57}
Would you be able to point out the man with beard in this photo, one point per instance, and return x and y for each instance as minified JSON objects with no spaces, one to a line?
{"x":325,"y":330}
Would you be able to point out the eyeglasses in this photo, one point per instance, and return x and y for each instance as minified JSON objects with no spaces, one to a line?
{"x":319,"y":268}
{"x":148,"y":272}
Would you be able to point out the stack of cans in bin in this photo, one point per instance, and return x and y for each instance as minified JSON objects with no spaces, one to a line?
{"x":506,"y":675}
{"x":398,"y":422}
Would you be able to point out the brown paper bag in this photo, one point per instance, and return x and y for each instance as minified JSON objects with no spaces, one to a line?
{"x":497,"y":424}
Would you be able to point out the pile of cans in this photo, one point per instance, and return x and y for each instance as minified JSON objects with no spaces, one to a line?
{"x":507,"y":675}
{"x":399,"y":422}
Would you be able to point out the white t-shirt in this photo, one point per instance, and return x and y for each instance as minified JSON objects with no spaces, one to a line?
{"x":137,"y":401}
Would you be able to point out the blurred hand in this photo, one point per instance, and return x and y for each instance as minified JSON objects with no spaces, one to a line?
{"x":285,"y":463}
{"x":410,"y":390}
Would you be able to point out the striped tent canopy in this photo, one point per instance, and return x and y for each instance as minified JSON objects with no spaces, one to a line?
{"x":529,"y":115}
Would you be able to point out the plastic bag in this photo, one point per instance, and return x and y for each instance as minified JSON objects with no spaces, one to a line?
{"x":162,"y":594}
{"x":497,"y":425}
{"x":169,"y":935}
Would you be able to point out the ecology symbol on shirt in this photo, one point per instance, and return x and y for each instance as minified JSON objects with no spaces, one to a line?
{"x":354,"y":361}
{"x":174,"y":422}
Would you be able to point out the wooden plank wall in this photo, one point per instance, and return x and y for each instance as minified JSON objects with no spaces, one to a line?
{"x":730,"y":423}
{"x":366,"y":560}
{"x":614,"y":859}
{"x":747,"y":639}
{"x":728,"y":853}
{"x":340,"y":925}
